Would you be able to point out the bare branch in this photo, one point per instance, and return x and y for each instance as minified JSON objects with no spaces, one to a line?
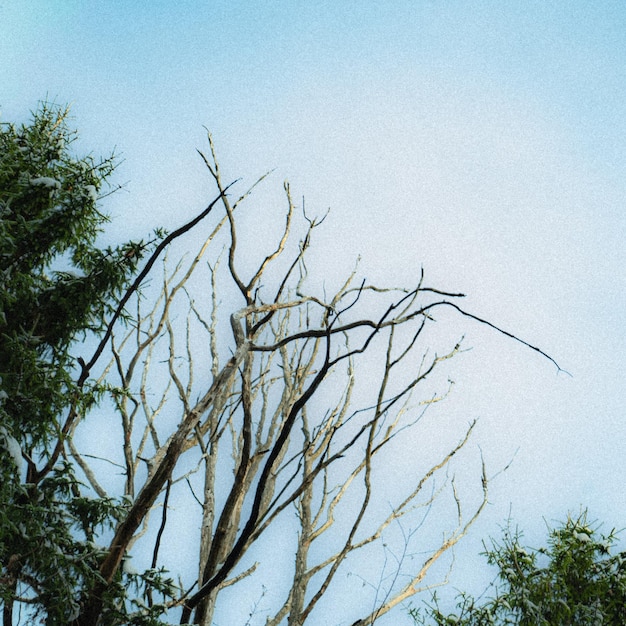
{"x":289,"y":403}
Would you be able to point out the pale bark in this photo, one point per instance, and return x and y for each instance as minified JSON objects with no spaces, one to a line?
{"x":251,"y":404}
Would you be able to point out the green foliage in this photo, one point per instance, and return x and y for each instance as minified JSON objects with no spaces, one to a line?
{"x":146,"y":595}
{"x":56,"y":287}
{"x":56,"y":283}
{"x":49,"y":533}
{"x":575,"y":580}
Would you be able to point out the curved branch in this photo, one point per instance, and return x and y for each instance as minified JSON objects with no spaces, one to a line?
{"x":86,"y":367}
{"x":500,"y":330}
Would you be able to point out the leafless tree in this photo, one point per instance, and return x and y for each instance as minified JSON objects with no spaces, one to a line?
{"x":240,"y":390}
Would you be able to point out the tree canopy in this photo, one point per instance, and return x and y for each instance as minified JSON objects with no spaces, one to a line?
{"x":573,"y":581}
{"x":58,"y":286}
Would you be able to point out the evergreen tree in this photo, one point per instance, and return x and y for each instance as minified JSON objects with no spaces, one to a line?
{"x":56,"y":287}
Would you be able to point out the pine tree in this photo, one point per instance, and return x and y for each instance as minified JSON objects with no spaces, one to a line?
{"x":56,"y":287}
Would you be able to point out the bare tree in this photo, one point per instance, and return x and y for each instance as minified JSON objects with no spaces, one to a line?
{"x":242,"y":391}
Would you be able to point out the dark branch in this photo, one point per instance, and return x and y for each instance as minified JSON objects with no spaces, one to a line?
{"x":86,"y":368}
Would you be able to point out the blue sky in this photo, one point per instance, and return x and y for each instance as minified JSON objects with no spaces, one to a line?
{"x":484,"y":141}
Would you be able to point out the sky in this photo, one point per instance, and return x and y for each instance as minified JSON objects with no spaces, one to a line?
{"x":483,"y":141}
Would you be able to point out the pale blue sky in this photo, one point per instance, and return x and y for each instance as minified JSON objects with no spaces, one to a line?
{"x":484,"y":140}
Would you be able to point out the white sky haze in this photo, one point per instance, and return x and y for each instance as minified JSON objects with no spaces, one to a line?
{"x":484,"y":141}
